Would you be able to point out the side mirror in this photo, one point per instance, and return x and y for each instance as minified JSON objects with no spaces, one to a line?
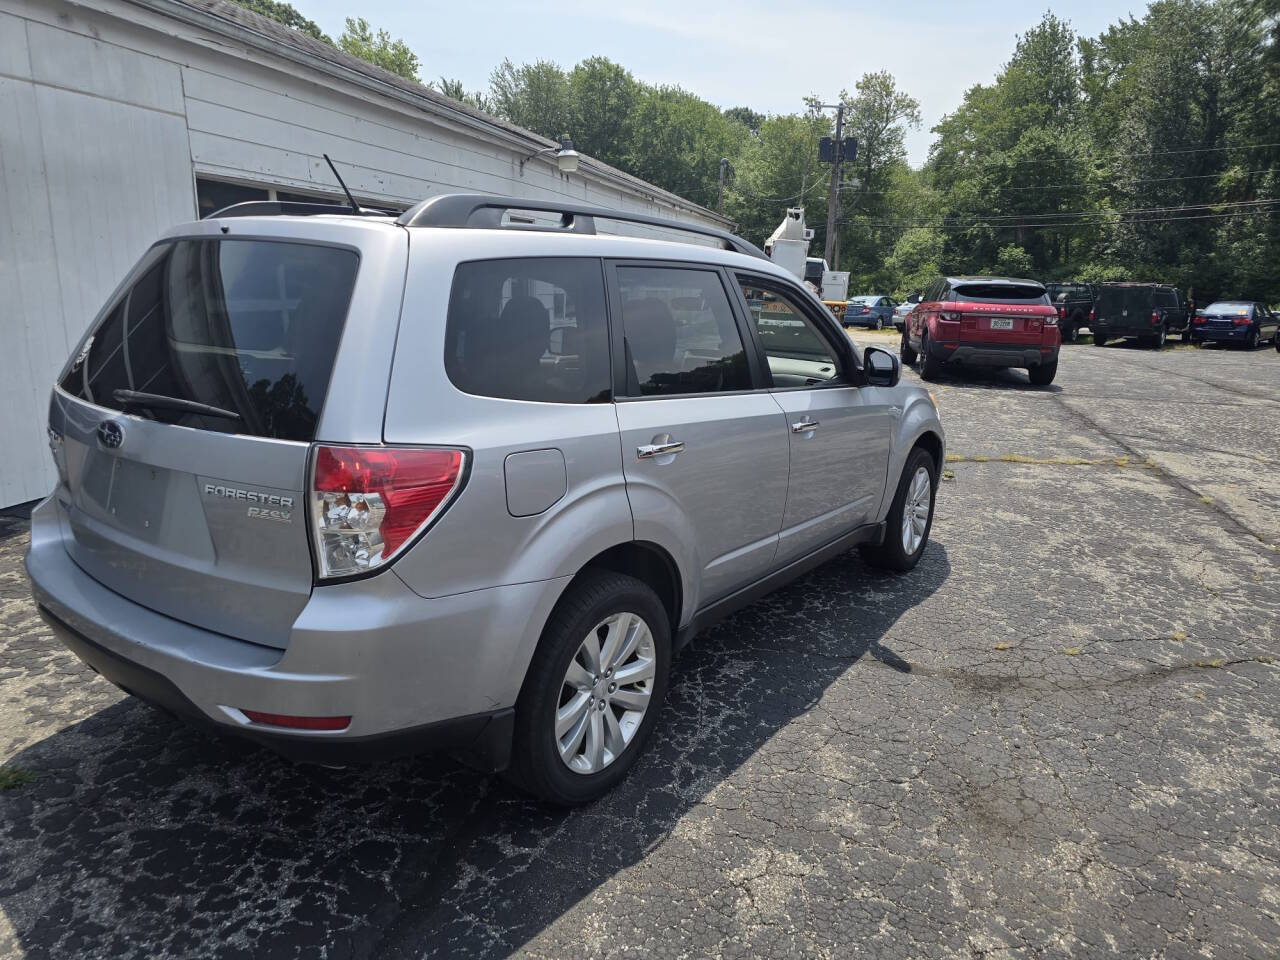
{"x":883,"y":369}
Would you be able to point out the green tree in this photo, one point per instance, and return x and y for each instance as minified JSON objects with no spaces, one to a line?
{"x":915,"y":261}
{"x":678,"y":140}
{"x":394,"y":56}
{"x":286,"y":14}
{"x":454,"y":90}
{"x":1013,"y":261}
{"x":603,"y":98}
{"x":535,"y":96}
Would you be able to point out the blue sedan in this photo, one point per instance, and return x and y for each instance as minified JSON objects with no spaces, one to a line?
{"x":873,"y":311}
{"x":1236,"y":321}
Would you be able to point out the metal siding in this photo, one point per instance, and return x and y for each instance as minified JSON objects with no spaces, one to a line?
{"x":88,"y":183}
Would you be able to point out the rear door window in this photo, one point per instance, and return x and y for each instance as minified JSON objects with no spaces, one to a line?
{"x":679,"y":334}
{"x":249,"y":327}
{"x":529,"y":329}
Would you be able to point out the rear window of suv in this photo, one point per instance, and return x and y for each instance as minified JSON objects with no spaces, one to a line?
{"x":250,"y":327}
{"x":999,"y":293}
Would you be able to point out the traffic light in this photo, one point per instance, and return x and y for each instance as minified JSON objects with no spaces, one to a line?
{"x":827,"y":150}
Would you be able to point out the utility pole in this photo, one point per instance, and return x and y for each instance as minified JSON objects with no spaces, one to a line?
{"x":724,"y":169}
{"x":833,"y":195}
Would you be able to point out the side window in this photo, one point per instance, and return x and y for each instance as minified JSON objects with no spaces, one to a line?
{"x":798,"y":355}
{"x":529,"y":329}
{"x":679,"y":335}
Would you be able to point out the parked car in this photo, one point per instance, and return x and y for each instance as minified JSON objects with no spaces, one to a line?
{"x":1236,"y":321}
{"x":983,"y":321}
{"x":1073,"y":301}
{"x":355,"y":486}
{"x":869,"y":311}
{"x":901,"y":310}
{"x":1147,"y":312}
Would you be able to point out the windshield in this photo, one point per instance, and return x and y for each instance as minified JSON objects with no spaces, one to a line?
{"x":863,"y":299}
{"x":984,"y":292}
{"x":1229,"y":306}
{"x":250,"y":327}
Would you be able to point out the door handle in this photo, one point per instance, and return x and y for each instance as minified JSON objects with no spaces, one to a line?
{"x":650,"y":450}
{"x":805,"y":426}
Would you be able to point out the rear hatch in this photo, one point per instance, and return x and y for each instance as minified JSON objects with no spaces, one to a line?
{"x":186,"y":420}
{"x":1124,"y":308}
{"x":1001,"y":313}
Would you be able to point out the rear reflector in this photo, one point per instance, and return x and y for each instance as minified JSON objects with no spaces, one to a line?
{"x":368,"y":503}
{"x":297,"y":723}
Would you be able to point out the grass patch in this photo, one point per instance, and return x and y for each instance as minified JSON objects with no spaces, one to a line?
{"x":1072,"y":651}
{"x":1179,"y":636}
{"x":948,"y":474}
{"x":1002,"y":646}
{"x":11,"y":778}
{"x":1208,"y":501}
{"x":1121,"y":461}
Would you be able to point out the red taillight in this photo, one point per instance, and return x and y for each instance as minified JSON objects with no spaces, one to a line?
{"x":297,"y":723}
{"x":1062,"y":313}
{"x":1198,"y":319}
{"x":1155,"y":318}
{"x":368,"y":502}
{"x":865,"y":310}
{"x":1091,"y":314}
{"x":1241,"y":321}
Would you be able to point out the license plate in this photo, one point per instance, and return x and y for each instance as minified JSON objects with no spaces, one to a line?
{"x":1001,"y":323}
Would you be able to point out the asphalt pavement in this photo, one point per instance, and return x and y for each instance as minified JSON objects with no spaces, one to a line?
{"x":1058,"y":737}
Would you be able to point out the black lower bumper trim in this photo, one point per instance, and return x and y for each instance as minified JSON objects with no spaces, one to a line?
{"x":481,"y":740}
{"x":992,"y":355}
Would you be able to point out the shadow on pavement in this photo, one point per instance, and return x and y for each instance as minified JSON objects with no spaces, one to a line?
{"x":141,"y":837}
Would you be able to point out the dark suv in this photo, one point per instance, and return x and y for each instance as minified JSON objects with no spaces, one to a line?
{"x":1146,"y":312}
{"x":983,"y":321}
{"x":1073,"y":301}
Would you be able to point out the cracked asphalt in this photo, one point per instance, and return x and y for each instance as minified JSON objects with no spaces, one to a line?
{"x":1057,"y":737}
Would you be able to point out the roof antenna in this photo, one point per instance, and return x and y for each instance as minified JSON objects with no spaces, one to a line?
{"x":355,"y":207}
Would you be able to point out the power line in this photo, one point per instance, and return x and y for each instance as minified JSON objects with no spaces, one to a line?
{"x":1158,"y":153}
{"x":1092,"y":223}
{"x":1023,"y":219}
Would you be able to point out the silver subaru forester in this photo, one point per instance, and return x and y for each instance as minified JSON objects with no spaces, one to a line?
{"x":357,"y":486}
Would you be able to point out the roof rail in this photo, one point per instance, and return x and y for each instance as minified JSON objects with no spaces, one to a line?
{"x":292,"y":208}
{"x":478,"y":210}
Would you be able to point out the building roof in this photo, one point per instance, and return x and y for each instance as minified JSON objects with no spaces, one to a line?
{"x":244,"y":26}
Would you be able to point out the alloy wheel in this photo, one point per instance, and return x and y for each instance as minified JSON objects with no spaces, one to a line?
{"x":915,"y":510}
{"x":605,"y":693}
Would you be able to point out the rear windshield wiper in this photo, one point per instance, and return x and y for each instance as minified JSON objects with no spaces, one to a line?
{"x":135,"y":398}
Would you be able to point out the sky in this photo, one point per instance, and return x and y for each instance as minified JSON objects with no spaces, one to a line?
{"x":767,"y":56}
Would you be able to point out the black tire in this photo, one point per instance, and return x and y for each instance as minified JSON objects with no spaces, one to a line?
{"x":905,"y":353}
{"x":1254,"y":338}
{"x":892,"y":554}
{"x":1070,"y":332}
{"x":535,"y":760}
{"x":1099,"y":339}
{"x":930,"y":366}
{"x":879,"y":323}
{"x":1043,"y":375}
{"x":1188,"y":336}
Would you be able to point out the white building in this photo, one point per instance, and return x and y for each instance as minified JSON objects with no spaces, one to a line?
{"x":119,"y":119}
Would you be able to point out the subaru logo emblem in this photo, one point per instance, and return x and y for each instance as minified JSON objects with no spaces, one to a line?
{"x":110,"y":434}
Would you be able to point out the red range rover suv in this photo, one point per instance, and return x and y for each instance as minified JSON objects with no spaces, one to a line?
{"x":983,"y":321}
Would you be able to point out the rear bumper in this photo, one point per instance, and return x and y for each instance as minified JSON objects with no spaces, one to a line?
{"x":413,"y":674}
{"x":992,"y":354}
{"x":1222,"y":335}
